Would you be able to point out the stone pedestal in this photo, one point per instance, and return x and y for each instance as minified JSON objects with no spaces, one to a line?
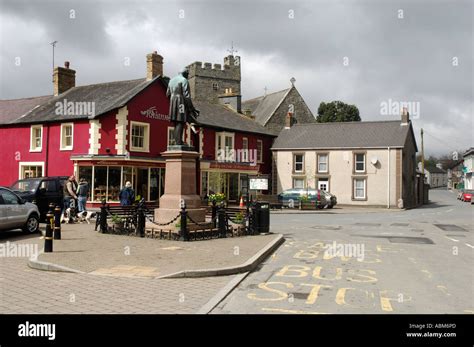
{"x":180,"y":183}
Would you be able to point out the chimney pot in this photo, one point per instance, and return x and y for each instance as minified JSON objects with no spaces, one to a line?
{"x":64,"y":78}
{"x":66,"y":64}
{"x":405,"y":116}
{"x":154,"y":65}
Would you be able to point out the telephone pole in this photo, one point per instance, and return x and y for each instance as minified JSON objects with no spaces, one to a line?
{"x":422,"y":154}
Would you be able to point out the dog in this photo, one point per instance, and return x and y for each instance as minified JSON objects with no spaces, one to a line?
{"x":85,"y":216}
{"x":67,"y":216}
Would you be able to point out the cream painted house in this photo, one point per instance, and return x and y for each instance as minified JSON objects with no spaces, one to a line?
{"x":362,"y":163}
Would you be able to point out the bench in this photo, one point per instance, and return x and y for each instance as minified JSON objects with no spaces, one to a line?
{"x":272,"y":201}
{"x":127,"y":213}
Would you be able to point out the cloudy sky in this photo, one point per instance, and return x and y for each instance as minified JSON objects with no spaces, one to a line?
{"x":366,"y":53}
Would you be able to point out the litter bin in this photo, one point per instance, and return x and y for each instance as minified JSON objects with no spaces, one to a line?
{"x":261,"y":217}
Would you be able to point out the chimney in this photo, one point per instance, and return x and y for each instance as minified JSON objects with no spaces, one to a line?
{"x":288,"y":120}
{"x":405,"y":116}
{"x":64,"y":79}
{"x":154,"y":65}
{"x":231,"y":99}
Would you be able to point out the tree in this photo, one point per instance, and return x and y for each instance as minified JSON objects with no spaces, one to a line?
{"x":337,"y":111}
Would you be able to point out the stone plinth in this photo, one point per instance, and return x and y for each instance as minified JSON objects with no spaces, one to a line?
{"x":180,"y":183}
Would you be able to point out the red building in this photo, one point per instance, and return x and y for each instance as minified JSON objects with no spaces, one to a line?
{"x":115,"y":132}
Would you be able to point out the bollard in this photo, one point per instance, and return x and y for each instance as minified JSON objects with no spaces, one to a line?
{"x":221,"y":222}
{"x":141,"y":219}
{"x":48,"y":237}
{"x":183,"y":228}
{"x":103,"y":217}
{"x":57,"y":223}
{"x":214,"y":213}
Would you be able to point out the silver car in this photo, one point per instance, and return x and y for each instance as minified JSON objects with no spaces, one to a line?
{"x":16,"y":213}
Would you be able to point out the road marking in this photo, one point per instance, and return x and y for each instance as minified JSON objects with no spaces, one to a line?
{"x":450,"y":210}
{"x":427,"y":273}
{"x":443,"y":289}
{"x":469,"y":311}
{"x":467,"y":244}
{"x":412,"y":260}
{"x":281,"y":310}
{"x":449,"y":238}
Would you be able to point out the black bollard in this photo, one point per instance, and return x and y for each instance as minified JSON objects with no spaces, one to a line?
{"x":141,"y":219}
{"x":57,"y":223}
{"x":214,"y":213}
{"x":183,"y":228}
{"x":48,"y":237}
{"x":103,"y":217}
{"x":221,"y":222}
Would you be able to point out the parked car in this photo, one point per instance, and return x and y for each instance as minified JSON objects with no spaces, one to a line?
{"x":294,"y":195}
{"x":42,"y":191}
{"x":331,"y":199}
{"x":16,"y":213}
{"x":467,"y":195}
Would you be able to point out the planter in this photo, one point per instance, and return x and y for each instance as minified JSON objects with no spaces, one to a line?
{"x":310,"y":205}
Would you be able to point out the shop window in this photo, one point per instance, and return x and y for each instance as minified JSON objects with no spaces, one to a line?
{"x":113,"y":186}
{"x":100,"y":183}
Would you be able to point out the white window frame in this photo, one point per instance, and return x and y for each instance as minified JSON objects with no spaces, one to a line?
{"x":21,"y":164}
{"x":365,"y":189}
{"x":245,"y":149}
{"x":355,"y":162}
{"x":222,"y":135}
{"x":302,"y":163}
{"x":32,"y":140}
{"x":298,"y":178}
{"x":327,"y":160}
{"x":146,"y":137}
{"x":62,"y":138}
{"x":260,"y":154}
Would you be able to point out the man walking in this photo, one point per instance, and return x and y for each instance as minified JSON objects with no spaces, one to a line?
{"x":82,"y":193}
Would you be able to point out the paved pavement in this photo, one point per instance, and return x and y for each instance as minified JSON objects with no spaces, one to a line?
{"x":415,"y":261}
{"x":83,"y":249}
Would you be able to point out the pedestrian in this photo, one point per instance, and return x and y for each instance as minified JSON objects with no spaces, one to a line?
{"x":127,"y":195}
{"x":82,"y":194}
{"x":69,"y":192}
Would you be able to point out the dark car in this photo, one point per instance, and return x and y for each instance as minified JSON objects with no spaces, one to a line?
{"x":331,"y":199}
{"x":42,"y":191}
{"x":291,"y":197}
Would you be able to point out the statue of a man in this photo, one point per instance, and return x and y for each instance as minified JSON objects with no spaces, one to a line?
{"x":182,"y":110}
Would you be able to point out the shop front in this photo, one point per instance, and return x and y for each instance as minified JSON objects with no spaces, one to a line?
{"x":107,"y":177}
{"x":227,"y":178}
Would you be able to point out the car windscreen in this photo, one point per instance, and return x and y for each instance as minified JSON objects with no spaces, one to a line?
{"x":29,"y":185}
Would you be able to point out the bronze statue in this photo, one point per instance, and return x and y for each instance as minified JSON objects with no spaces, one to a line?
{"x":182,"y":110}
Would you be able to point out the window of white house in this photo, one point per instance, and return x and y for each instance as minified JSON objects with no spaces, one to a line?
{"x":245,"y":149}
{"x":140,"y":137}
{"x":298,"y":182}
{"x":36,"y":139}
{"x":225,"y":146}
{"x":359,"y":188}
{"x":260,"y":151}
{"x":298,"y":162}
{"x":322,"y":163}
{"x":67,"y":133}
{"x":359,"y":162}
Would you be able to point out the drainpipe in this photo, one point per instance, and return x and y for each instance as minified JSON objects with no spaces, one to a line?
{"x":388,"y":178}
{"x":46,"y":152}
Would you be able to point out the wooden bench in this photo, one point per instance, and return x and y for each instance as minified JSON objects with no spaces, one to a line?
{"x":127,"y":213}
{"x":272,"y":200}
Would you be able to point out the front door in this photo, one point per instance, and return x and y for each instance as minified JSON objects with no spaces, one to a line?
{"x":141,"y":188}
{"x":323,"y":184}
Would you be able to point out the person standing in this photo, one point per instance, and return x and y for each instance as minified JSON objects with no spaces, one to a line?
{"x":127,"y":195}
{"x":69,"y":192}
{"x":82,"y":194}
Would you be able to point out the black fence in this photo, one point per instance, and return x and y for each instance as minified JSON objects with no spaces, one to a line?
{"x":221,"y":222}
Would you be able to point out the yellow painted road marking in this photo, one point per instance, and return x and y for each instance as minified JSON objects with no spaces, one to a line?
{"x":443,"y":289}
{"x":281,"y":310}
{"x":449,"y":238}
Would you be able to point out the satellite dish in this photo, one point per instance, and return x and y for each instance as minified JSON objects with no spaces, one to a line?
{"x":374,"y":160}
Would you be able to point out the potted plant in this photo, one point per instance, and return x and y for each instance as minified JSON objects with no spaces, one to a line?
{"x":118,"y":223}
{"x":240,"y":221}
{"x":216,"y":198}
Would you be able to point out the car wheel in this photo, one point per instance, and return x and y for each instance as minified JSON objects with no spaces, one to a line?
{"x":32,"y":224}
{"x":330,"y":206}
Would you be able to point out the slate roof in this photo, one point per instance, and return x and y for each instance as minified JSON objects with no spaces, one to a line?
{"x":435,"y":169}
{"x":220,"y":116}
{"x":378,"y":134}
{"x":14,"y":109}
{"x":264,"y":107}
{"x":106,"y":96}
{"x":469,"y":152}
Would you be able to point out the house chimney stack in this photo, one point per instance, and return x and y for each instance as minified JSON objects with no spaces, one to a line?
{"x":405,"y":116}
{"x":154,"y":65}
{"x":288,"y":120}
{"x":64,"y":79}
